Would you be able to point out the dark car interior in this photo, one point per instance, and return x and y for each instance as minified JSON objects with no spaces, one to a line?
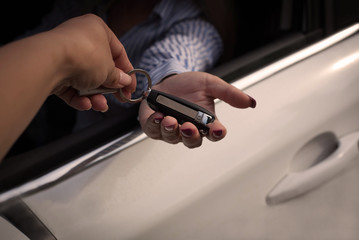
{"x":255,"y":33}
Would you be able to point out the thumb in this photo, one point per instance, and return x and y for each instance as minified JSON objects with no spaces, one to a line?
{"x":117,"y":79}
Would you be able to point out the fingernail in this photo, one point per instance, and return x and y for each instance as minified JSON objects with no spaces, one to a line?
{"x":157,"y":120}
{"x":253,"y":103}
{"x":170,"y":128}
{"x":217,"y":133}
{"x":105,"y":110}
{"x":187,"y":132}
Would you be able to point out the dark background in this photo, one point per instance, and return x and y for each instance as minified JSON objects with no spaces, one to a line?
{"x":257,"y":22}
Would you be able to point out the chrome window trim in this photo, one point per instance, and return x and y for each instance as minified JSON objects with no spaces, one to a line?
{"x":298,"y":56}
{"x":137,"y":135}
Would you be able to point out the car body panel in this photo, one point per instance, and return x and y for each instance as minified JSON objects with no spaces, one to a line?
{"x":153,"y":190}
{"x":9,"y":232}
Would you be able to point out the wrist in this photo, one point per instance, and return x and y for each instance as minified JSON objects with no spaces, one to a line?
{"x":48,"y":50}
{"x":67,"y":61}
{"x":45,"y":52}
{"x":85,"y":58}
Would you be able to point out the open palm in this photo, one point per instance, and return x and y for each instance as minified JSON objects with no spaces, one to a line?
{"x":197,"y":87}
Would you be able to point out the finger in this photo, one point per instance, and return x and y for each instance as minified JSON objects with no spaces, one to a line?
{"x":152,"y":127}
{"x":218,"y":88}
{"x":118,"y":52}
{"x":170,"y":130}
{"x":144,"y":112}
{"x":99,"y":102}
{"x":191,"y":137}
{"x":120,"y":58}
{"x":117,"y":79}
{"x":70,"y":96}
{"x":132,"y":87}
{"x":216,"y":131}
{"x":125,"y":93}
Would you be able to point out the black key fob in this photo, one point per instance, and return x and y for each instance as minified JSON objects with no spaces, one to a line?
{"x":182,"y":110}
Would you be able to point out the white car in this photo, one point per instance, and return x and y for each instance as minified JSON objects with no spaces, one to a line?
{"x":287,"y":169}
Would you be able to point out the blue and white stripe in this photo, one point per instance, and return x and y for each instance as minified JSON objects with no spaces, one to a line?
{"x":173,"y":40}
{"x":192,"y":45}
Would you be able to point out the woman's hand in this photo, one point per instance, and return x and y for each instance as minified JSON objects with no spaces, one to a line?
{"x":197,"y":87}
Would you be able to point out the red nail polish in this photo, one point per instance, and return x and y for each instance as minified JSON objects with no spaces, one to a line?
{"x":187,"y":132}
{"x":253,"y":103}
{"x":157,"y":120}
{"x":217,"y":133}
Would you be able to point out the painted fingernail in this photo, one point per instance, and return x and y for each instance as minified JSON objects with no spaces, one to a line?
{"x":170,"y":128}
{"x":253,"y":103}
{"x":157,"y":120}
{"x":187,"y":132}
{"x":217,"y":133}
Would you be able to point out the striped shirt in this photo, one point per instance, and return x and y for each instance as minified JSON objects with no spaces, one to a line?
{"x":174,"y":39}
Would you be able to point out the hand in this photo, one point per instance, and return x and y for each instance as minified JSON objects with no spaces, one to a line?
{"x":95,"y":57}
{"x":200,"y":88}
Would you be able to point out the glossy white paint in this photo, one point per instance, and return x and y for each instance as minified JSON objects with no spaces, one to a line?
{"x":153,"y":190}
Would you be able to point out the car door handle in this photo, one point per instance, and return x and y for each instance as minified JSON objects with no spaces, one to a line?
{"x":295,"y":184}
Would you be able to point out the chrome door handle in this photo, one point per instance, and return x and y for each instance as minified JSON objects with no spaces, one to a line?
{"x":298,"y":183}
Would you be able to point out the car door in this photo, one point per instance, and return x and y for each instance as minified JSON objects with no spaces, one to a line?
{"x":286,"y":170}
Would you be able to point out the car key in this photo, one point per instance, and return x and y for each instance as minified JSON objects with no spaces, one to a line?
{"x":167,"y":104}
{"x":182,"y":110}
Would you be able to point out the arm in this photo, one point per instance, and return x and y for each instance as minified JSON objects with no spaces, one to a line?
{"x":192,"y":45}
{"x":81,"y":53}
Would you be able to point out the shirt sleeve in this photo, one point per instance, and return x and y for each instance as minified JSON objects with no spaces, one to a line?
{"x":191,"y":45}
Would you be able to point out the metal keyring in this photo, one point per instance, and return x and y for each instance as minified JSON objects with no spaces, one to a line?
{"x":145,"y":93}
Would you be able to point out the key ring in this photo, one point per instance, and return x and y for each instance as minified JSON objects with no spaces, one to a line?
{"x":145,"y":93}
